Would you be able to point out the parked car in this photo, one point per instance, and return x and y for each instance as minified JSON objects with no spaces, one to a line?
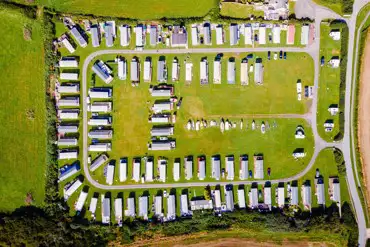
{"x":281,"y":54}
{"x":250,"y":56}
{"x":285,"y":55}
{"x":275,"y":56}
{"x":322,"y":61}
{"x":268,"y":55}
{"x":256,"y":37}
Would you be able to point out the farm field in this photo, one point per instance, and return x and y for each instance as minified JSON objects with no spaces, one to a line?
{"x":142,"y":9}
{"x":23,"y":130}
{"x":328,"y":85}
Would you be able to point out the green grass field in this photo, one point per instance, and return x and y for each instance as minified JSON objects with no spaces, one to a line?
{"x":23,"y":130}
{"x":238,"y":10}
{"x":328,"y":85}
{"x":132,"y":130}
{"x":335,"y":6}
{"x":142,"y":9}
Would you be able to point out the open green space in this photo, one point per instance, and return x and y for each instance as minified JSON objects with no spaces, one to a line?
{"x":213,"y":102}
{"x":142,"y":9}
{"x":334,"y":5}
{"x":328,"y":84}
{"x":22,"y":114}
{"x":239,"y":10}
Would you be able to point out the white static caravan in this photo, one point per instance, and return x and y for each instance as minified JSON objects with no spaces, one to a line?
{"x":267,"y":196}
{"x":67,"y":155}
{"x":78,"y":37}
{"x":219,"y":35}
{"x":149,"y":170}
{"x":231,"y":72}
{"x":64,"y":129}
{"x":276,"y":31}
{"x":201,"y":168}
{"x":248,"y":39}
{"x":171,"y":207}
{"x":262,"y":35}
{"x":320,"y":193}
{"x":229,"y":163}
{"x":188,"y":168}
{"x":258,"y":167}
{"x":68,"y":88}
{"x":110,"y":174}
{"x":234,"y":34}
{"x":118,"y":210}
{"x":204,"y":72}
{"x":281,"y":197}
{"x":68,"y":114}
{"x":69,"y":76}
{"x":217,"y":72}
{"x":71,"y":189}
{"x":93,"y":204}
{"x":176,"y":171}
{"x":68,"y":45}
{"x":162,"y":166}
{"x":100,"y":147}
{"x":139,"y":36}
{"x":160,"y":106}
{"x":143,"y":207}
{"x":100,"y":134}
{"x":243,"y":172}
{"x":305,"y":34}
{"x":306,"y":196}
{"x":81,"y":201}
{"x":184,"y":205}
{"x":335,"y":191}
{"x":69,"y":101}
{"x":100,"y":107}
{"x":95,"y":40}
{"x":123,"y":170}
{"x":105,"y":210}
{"x":100,"y":93}
{"x":175,"y":70}
{"x":130,"y":211}
{"x":241,"y":198}
{"x":253,"y":198}
{"x":122,"y":69}
{"x":244,"y":78}
{"x":217,"y":198}
{"x":68,"y":62}
{"x":99,"y":121}
{"x":158,"y":206}
{"x":216,"y":167}
{"x":163,"y":119}
{"x":188,"y":72}
{"x":98,"y":162}
{"x":125,"y":35}
{"x":147,"y":71}
{"x":136,"y":170}
{"x":294,"y":196}
{"x":67,"y":142}
{"x":229,"y":197}
{"x":135,"y":74}
{"x":194,"y":35}
{"x":207,"y":34}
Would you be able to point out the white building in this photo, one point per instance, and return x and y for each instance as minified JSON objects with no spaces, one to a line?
{"x":243,"y":172}
{"x":234,"y":34}
{"x":184,"y":205}
{"x":139,"y":36}
{"x":110,"y":174}
{"x":158,"y":206}
{"x":258,"y":167}
{"x":276,"y":32}
{"x":69,"y":101}
{"x":201,"y":168}
{"x":306,"y":196}
{"x":69,"y":76}
{"x":147,"y":71}
{"x":78,"y":37}
{"x":92,"y":206}
{"x":68,"y":191}
{"x":241,"y":198}
{"x":231,"y":72}
{"x":267,"y":197}
{"x":305,"y":34}
{"x":100,"y":107}
{"x":204,"y":72}
{"x":105,"y":210}
{"x":176,"y":171}
{"x":244,"y":78}
{"x":335,"y":34}
{"x":281,"y":197}
{"x":68,"y":45}
{"x":229,"y":164}
{"x":67,"y":155}
{"x":175,"y":70}
{"x":229,"y":198}
{"x":68,"y":88}
{"x":118,"y":210}
{"x":189,"y":72}
{"x":125,"y":35}
{"x":294,"y":196}
{"x":100,"y":147}
{"x":217,"y":71}
{"x":253,"y":198}
{"x":262,"y":35}
{"x":171,"y":207}
{"x":188,"y":168}
{"x":143,"y":207}
{"x":194,"y":35}
{"x":136,"y":170}
{"x":216,"y":167}
{"x":248,"y":39}
{"x":64,"y":129}
{"x":100,"y":93}
{"x":217,"y":199}
{"x":99,"y":161}
{"x":130,"y":211}
{"x":320,"y":193}
{"x":68,"y":62}
{"x":68,"y":114}
{"x":123,"y":170}
{"x":149,"y":170}
{"x":67,"y":141}
{"x":103,"y":121}
{"x":122,"y":69}
{"x":219,"y":35}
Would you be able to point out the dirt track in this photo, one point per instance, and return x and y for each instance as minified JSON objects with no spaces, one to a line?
{"x":364,"y":115}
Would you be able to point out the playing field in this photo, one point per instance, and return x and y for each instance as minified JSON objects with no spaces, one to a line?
{"x":22,"y":114}
{"x":212,"y":102}
{"x":142,"y":9}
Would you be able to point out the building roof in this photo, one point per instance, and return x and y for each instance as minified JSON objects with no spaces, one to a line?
{"x":216,"y":167}
{"x":67,"y":141}
{"x":100,"y":93}
{"x":149,"y":170}
{"x":68,"y":88}
{"x":229,"y":197}
{"x":258,"y":72}
{"x":153,"y":35}
{"x":100,"y":134}
{"x":100,"y":160}
{"x":95,"y":36}
{"x":243,"y":167}
{"x":161,"y":71}
{"x":217,"y":198}
{"x":305,"y":34}
{"x":68,"y":171}
{"x":102,"y":71}
{"x":201,"y":168}
{"x":184,"y":205}
{"x":69,"y":190}
{"x":135,"y":71}
{"x":67,"y":154}
{"x":194,"y":35}
{"x":81,"y":201}
{"x":281,"y":196}
{"x":217,"y":71}
{"x":158,"y":206}
{"x":229,"y":164}
{"x":176,"y":171}
{"x":219,"y":35}
{"x":188,"y":168}
{"x":105,"y":210}
{"x":171,"y":207}
{"x":253,"y":198}
{"x":231,"y":72}
{"x":122,"y":170}
{"x":276,"y":30}
{"x":69,"y":76}
{"x":262,"y":35}
{"x":68,"y":62}
{"x":147,"y":71}
{"x":100,"y":147}
{"x":241,"y":198}
{"x":130,"y":212}
{"x":136,"y":170}
{"x":203,"y":72}
{"x":63,"y":129}
{"x":118,"y":209}
{"x":108,"y":29}
{"x":294,"y":195}
{"x":179,"y":36}
{"x":267,"y":196}
{"x":207,"y":34}
{"x":258,"y":167}
{"x":143,"y":207}
{"x":320,"y":193}
{"x":78,"y":37}
{"x":139,"y":36}
{"x":125,"y":37}
{"x":201,"y":204}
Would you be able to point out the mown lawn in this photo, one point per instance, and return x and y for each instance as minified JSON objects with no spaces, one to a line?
{"x":328,"y":84}
{"x":233,"y":102}
{"x":142,"y":9}
{"x":22,"y":114}
{"x":238,"y":10}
